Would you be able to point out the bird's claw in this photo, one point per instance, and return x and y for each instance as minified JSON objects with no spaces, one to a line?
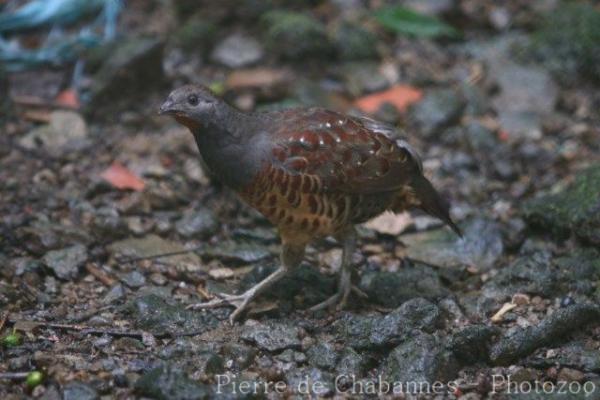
{"x":339,"y":299}
{"x":239,"y":301}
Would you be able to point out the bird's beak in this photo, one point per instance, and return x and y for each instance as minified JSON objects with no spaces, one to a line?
{"x":168,"y":107}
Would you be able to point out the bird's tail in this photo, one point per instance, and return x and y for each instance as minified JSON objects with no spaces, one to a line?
{"x":432,"y":203}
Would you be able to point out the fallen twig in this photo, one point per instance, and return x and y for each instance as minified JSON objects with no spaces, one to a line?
{"x":13,"y":376}
{"x":99,"y":274}
{"x":33,"y":101}
{"x":503,"y":310}
{"x":86,"y":330}
{"x":154,"y":256}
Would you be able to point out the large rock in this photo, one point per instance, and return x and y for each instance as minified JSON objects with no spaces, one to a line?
{"x":354,"y":42}
{"x":323,"y":355}
{"x":197,"y":224}
{"x":132,"y":66}
{"x":576,"y":209}
{"x":169,"y":383}
{"x":572,"y":51}
{"x":471,"y":344}
{"x":550,"y":332}
{"x":272,"y":336}
{"x":66,"y":131}
{"x":79,"y":391}
{"x":154,"y":314}
{"x":376,"y":332}
{"x":439,"y":109}
{"x":391,"y":289}
{"x":527,"y":93}
{"x":245,"y":252}
{"x":480,"y":247}
{"x":422,"y":359}
{"x":65,"y":263}
{"x":533,"y":274}
{"x":294,"y":286}
{"x":296,"y":36}
{"x":151,"y":246}
{"x":237,"y":50}
{"x":197,"y":34}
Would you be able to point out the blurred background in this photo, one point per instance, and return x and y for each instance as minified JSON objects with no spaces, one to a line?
{"x":499,"y":97}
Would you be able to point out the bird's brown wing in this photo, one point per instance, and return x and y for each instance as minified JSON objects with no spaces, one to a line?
{"x":344,"y":154}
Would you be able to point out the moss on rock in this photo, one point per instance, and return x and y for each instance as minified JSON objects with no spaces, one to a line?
{"x":573,"y":210}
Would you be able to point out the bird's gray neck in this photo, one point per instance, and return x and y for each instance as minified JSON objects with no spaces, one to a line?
{"x":226,"y":142}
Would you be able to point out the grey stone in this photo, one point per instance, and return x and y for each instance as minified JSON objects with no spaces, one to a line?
{"x":237,"y":51}
{"x":420,"y":359}
{"x":169,"y":383}
{"x":575,"y":209}
{"x":134,"y":279}
{"x":79,"y":391}
{"x":480,"y":247}
{"x":576,"y":354}
{"x":439,"y":109}
{"x":527,"y":92}
{"x":550,"y":332}
{"x":153,"y":314}
{"x":311,"y":381}
{"x":65,"y":263}
{"x":67,"y":131}
{"x":471,"y":344}
{"x":108,"y":224}
{"x":363,"y":77}
{"x":480,"y":138}
{"x":532,"y":274}
{"x":353,"y":42}
{"x":323,"y":355}
{"x":351,"y":363}
{"x":373,"y":332}
{"x":153,"y":245}
{"x":272,"y":336}
{"x":293,"y":285}
{"x":197,"y":224}
{"x":241,"y":355}
{"x":43,"y":235}
{"x":116,"y":293}
{"x":132,"y":65}
{"x":197,"y":34}
{"x":391,"y":289}
{"x":246,"y":252}
{"x":295,"y":36}
{"x":571,"y":52}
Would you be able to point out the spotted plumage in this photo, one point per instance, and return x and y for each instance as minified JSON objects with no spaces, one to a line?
{"x":311,"y":172}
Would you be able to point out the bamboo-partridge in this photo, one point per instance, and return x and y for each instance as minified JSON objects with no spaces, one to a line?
{"x":312,"y":172}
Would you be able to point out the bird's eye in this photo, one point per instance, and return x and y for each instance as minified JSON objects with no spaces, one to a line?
{"x":193,"y":99}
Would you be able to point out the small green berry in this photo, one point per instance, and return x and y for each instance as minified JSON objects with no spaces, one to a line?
{"x":217,"y":87}
{"x":34,"y":378}
{"x":12,"y":340}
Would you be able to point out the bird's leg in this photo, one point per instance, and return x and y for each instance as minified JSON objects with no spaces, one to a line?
{"x":348,"y":240}
{"x":291,"y":256}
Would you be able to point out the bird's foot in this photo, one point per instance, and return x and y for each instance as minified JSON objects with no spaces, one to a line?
{"x":239,"y":301}
{"x":339,"y":299}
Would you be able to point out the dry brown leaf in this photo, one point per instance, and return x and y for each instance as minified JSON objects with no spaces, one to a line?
{"x":390,"y":223}
{"x":400,"y":96}
{"x":122,"y":178}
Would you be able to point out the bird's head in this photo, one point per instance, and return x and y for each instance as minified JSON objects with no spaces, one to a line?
{"x":191,"y":105}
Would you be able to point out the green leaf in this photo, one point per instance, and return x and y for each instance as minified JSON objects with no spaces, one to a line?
{"x":405,"y":21}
